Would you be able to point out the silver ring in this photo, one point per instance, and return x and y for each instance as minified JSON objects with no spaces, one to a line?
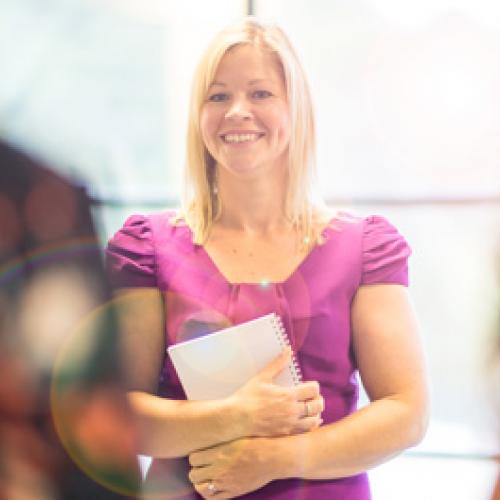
{"x":211,"y":488}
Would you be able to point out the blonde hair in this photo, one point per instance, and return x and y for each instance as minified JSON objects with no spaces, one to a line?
{"x":200,"y":205}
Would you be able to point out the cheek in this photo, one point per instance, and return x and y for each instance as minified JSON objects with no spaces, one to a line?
{"x":208,"y":127}
{"x":286,"y":127}
{"x":282,"y":125}
{"x":204,"y":126}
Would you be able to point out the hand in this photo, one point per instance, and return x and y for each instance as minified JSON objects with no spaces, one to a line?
{"x":269,"y":409}
{"x":232,"y":469}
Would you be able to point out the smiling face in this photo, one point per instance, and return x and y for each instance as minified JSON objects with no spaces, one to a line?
{"x":245,"y":119}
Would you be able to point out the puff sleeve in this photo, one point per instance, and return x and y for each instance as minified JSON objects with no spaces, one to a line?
{"x":130,"y":255}
{"x":385,"y":253}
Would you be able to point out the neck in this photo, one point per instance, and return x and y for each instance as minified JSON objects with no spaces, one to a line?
{"x":253,"y":205}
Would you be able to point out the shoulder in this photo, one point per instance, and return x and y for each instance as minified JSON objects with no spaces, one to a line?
{"x":150,"y":227}
{"x":170,"y":231}
{"x":146,"y":246}
{"x":382,"y":237}
{"x":345,"y":228}
{"x":373,"y":245}
{"x":385,"y":252}
{"x":369,"y":229}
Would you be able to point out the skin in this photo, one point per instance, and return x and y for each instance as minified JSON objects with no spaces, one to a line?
{"x":238,"y":444}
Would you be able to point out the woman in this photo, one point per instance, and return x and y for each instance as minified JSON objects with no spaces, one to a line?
{"x":250,"y":241}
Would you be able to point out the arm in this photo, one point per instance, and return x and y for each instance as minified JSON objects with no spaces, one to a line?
{"x":171,"y":428}
{"x":391,"y":366}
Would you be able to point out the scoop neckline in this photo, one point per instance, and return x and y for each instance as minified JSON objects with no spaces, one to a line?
{"x":266,"y":283}
{"x":263,"y":283}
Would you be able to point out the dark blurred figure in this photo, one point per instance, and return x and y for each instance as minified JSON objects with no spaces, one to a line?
{"x":65,"y":429}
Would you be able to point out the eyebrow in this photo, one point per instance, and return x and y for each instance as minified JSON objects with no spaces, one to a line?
{"x":217,"y":83}
{"x":259,"y":80}
{"x":250,"y":82}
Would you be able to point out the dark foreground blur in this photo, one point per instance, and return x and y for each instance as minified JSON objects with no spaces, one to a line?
{"x":65,"y":428}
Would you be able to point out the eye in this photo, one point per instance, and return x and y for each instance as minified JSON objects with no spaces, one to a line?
{"x":220,"y":97}
{"x":261,"y":94}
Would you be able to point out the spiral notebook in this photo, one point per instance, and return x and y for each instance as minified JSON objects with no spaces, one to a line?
{"x":216,"y":365}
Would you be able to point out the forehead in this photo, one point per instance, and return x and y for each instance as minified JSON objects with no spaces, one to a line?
{"x":249,"y":62}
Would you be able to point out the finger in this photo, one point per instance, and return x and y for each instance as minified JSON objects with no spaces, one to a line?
{"x":306,"y":390}
{"x":200,"y":458}
{"x":307,"y":424}
{"x":198,"y":475}
{"x":204,"y":490}
{"x":311,"y":407}
{"x":276,"y":366}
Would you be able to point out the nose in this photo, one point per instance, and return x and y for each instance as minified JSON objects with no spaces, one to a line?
{"x":239,"y":108}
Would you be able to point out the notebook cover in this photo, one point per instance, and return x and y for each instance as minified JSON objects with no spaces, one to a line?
{"x":216,"y":365}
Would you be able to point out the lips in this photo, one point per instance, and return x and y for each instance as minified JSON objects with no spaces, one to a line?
{"x":241,"y":137}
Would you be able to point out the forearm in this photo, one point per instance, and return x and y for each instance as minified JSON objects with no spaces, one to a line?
{"x":352,"y":445}
{"x":169,"y":428}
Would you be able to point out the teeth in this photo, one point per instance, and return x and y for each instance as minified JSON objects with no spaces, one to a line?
{"x":240,"y":137}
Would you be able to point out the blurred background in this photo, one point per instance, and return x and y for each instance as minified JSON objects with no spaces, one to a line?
{"x":407,"y":96}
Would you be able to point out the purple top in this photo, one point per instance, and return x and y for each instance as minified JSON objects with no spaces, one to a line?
{"x":314,"y":303}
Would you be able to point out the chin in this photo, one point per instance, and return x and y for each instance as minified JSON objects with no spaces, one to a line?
{"x":243,"y":172}
{"x":241,"y":167}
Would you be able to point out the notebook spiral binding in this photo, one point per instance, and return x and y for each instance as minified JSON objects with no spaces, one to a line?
{"x":285,"y":342}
